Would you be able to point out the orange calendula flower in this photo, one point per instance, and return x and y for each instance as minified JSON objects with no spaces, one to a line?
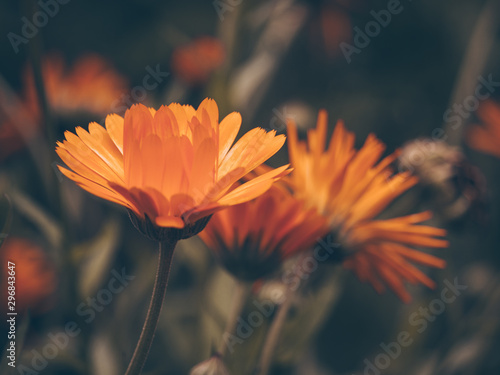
{"x":35,"y":278}
{"x":252,"y":239}
{"x":351,"y":188}
{"x":486,"y":137}
{"x":194,"y":62}
{"x":91,"y":85}
{"x":172,"y":166}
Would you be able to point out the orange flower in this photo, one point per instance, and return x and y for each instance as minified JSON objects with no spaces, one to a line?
{"x":486,"y":138}
{"x":351,"y":188}
{"x":252,"y":239}
{"x":35,"y":279}
{"x":175,"y":165}
{"x":194,"y":62}
{"x":91,"y":85}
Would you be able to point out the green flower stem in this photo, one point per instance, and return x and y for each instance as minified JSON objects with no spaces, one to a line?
{"x":242,"y":290}
{"x":166,"y":252}
{"x":274,"y":334}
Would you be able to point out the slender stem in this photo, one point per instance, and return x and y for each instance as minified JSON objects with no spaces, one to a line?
{"x":277,"y":326}
{"x":274,"y":334}
{"x":242,"y":290}
{"x":166,"y":252}
{"x":35,"y":50}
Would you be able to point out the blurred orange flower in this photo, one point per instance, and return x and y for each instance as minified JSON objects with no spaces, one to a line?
{"x":351,"y":188}
{"x":252,"y":239}
{"x":486,"y":137}
{"x":90,"y":86}
{"x":194,"y":62}
{"x":175,"y":165}
{"x":35,"y":278}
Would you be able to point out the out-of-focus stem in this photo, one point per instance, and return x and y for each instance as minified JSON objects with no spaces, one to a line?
{"x":242,"y":290}
{"x":13,"y":109}
{"x":35,"y":53}
{"x":274,"y":334}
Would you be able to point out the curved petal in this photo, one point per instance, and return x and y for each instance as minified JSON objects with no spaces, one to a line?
{"x":114,"y":126}
{"x":228,"y":130}
{"x":253,"y":188}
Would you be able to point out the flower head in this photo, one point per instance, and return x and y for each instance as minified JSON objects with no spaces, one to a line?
{"x":450,"y":182}
{"x":194,"y":62}
{"x":252,"y":239}
{"x":486,"y":137}
{"x":173,"y":166}
{"x":34,"y":275}
{"x":91,"y":85}
{"x":351,"y":188}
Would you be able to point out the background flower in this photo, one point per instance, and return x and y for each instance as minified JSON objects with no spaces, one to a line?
{"x":351,"y":188}
{"x":35,"y":278}
{"x":89,"y":87}
{"x":194,"y":62}
{"x":486,"y":137}
{"x":252,"y":239}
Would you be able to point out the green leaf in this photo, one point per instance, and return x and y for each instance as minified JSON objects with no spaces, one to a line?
{"x":37,"y":215}
{"x":95,"y":257}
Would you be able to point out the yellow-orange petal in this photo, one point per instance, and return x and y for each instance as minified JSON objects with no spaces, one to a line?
{"x":228,"y":130}
{"x":99,"y":190}
{"x":114,"y":126}
{"x":253,"y":188}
